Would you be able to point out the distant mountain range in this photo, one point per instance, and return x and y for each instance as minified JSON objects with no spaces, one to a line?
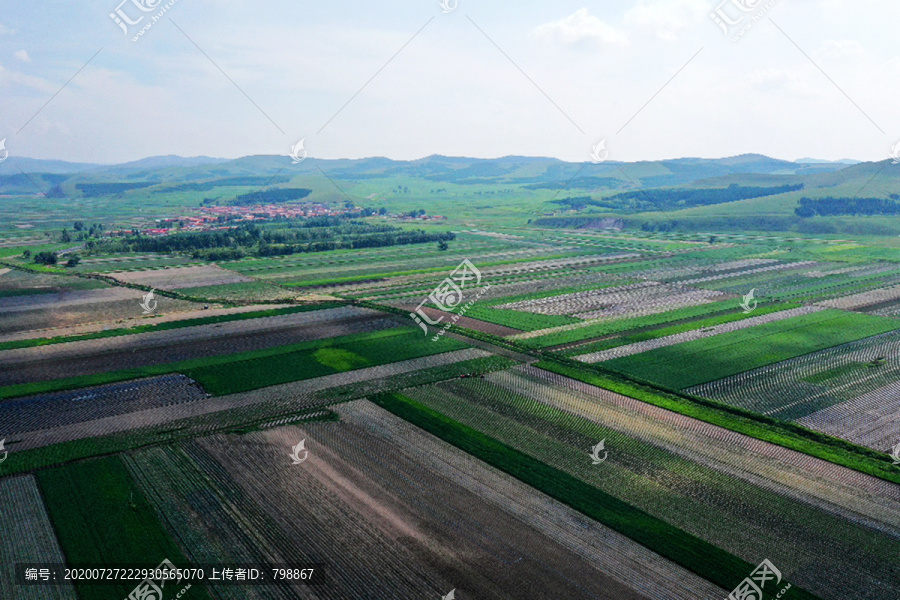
{"x":431,"y":165}
{"x":217,"y":178}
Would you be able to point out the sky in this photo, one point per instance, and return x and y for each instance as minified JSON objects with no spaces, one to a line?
{"x":406,"y":79}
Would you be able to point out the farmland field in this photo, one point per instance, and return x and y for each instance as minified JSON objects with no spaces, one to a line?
{"x":423,"y":517}
{"x":28,"y":537}
{"x":738,"y":351}
{"x":102,"y":518}
{"x":512,"y":378}
{"x":157,"y":348}
{"x":718,"y":504}
{"x":848,"y":391}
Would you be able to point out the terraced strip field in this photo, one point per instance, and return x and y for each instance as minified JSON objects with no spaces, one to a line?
{"x":161,"y":347}
{"x":819,"y":544}
{"x":696,"y":334}
{"x":418,"y":517}
{"x":745,"y":272}
{"x":341,"y":278}
{"x":813,"y":285}
{"x":599,"y":330}
{"x":678,"y":274}
{"x":28,"y":537}
{"x":61,"y":409}
{"x":864,"y":299}
{"x":514,"y":272}
{"x":653,"y":329}
{"x":731,"y":353}
{"x":661,"y":307}
{"x":512,"y":288}
{"x":275,"y":399}
{"x":174,"y":278}
{"x":73,"y":308}
{"x":323,"y":357}
{"x":848,"y":391}
{"x":648,"y":297}
{"x":176,"y":321}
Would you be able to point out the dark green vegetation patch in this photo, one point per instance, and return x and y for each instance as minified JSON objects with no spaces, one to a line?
{"x":102,"y":518}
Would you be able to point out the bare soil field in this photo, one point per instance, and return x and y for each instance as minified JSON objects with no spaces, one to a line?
{"x":74,"y":308}
{"x":181,"y":277}
{"x":390,"y":519}
{"x":213,"y":311}
{"x":57,"y":361}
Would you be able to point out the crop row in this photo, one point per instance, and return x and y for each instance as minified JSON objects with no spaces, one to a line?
{"x":28,"y":537}
{"x":698,"y":499}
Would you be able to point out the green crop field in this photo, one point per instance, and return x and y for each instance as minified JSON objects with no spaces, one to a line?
{"x":101,"y":519}
{"x":320,"y":358}
{"x":737,"y":351}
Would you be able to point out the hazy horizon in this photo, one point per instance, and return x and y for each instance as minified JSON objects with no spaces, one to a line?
{"x":848,"y":161}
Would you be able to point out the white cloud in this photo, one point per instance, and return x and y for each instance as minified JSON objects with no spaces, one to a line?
{"x":665,"y":18}
{"x":23,"y":56}
{"x":579,"y":28}
{"x":841,"y":49}
{"x":777,"y":81}
{"x":4,"y":30}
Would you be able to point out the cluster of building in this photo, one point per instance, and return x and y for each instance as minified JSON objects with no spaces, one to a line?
{"x":214,"y":217}
{"x":225,"y":217}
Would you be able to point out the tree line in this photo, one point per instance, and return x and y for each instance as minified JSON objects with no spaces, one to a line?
{"x":835,"y":206}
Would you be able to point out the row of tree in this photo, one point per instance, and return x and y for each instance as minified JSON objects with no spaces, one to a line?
{"x":272,"y":239}
{"x":831,"y":206}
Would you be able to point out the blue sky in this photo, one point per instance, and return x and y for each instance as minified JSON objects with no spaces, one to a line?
{"x":824,"y":85}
